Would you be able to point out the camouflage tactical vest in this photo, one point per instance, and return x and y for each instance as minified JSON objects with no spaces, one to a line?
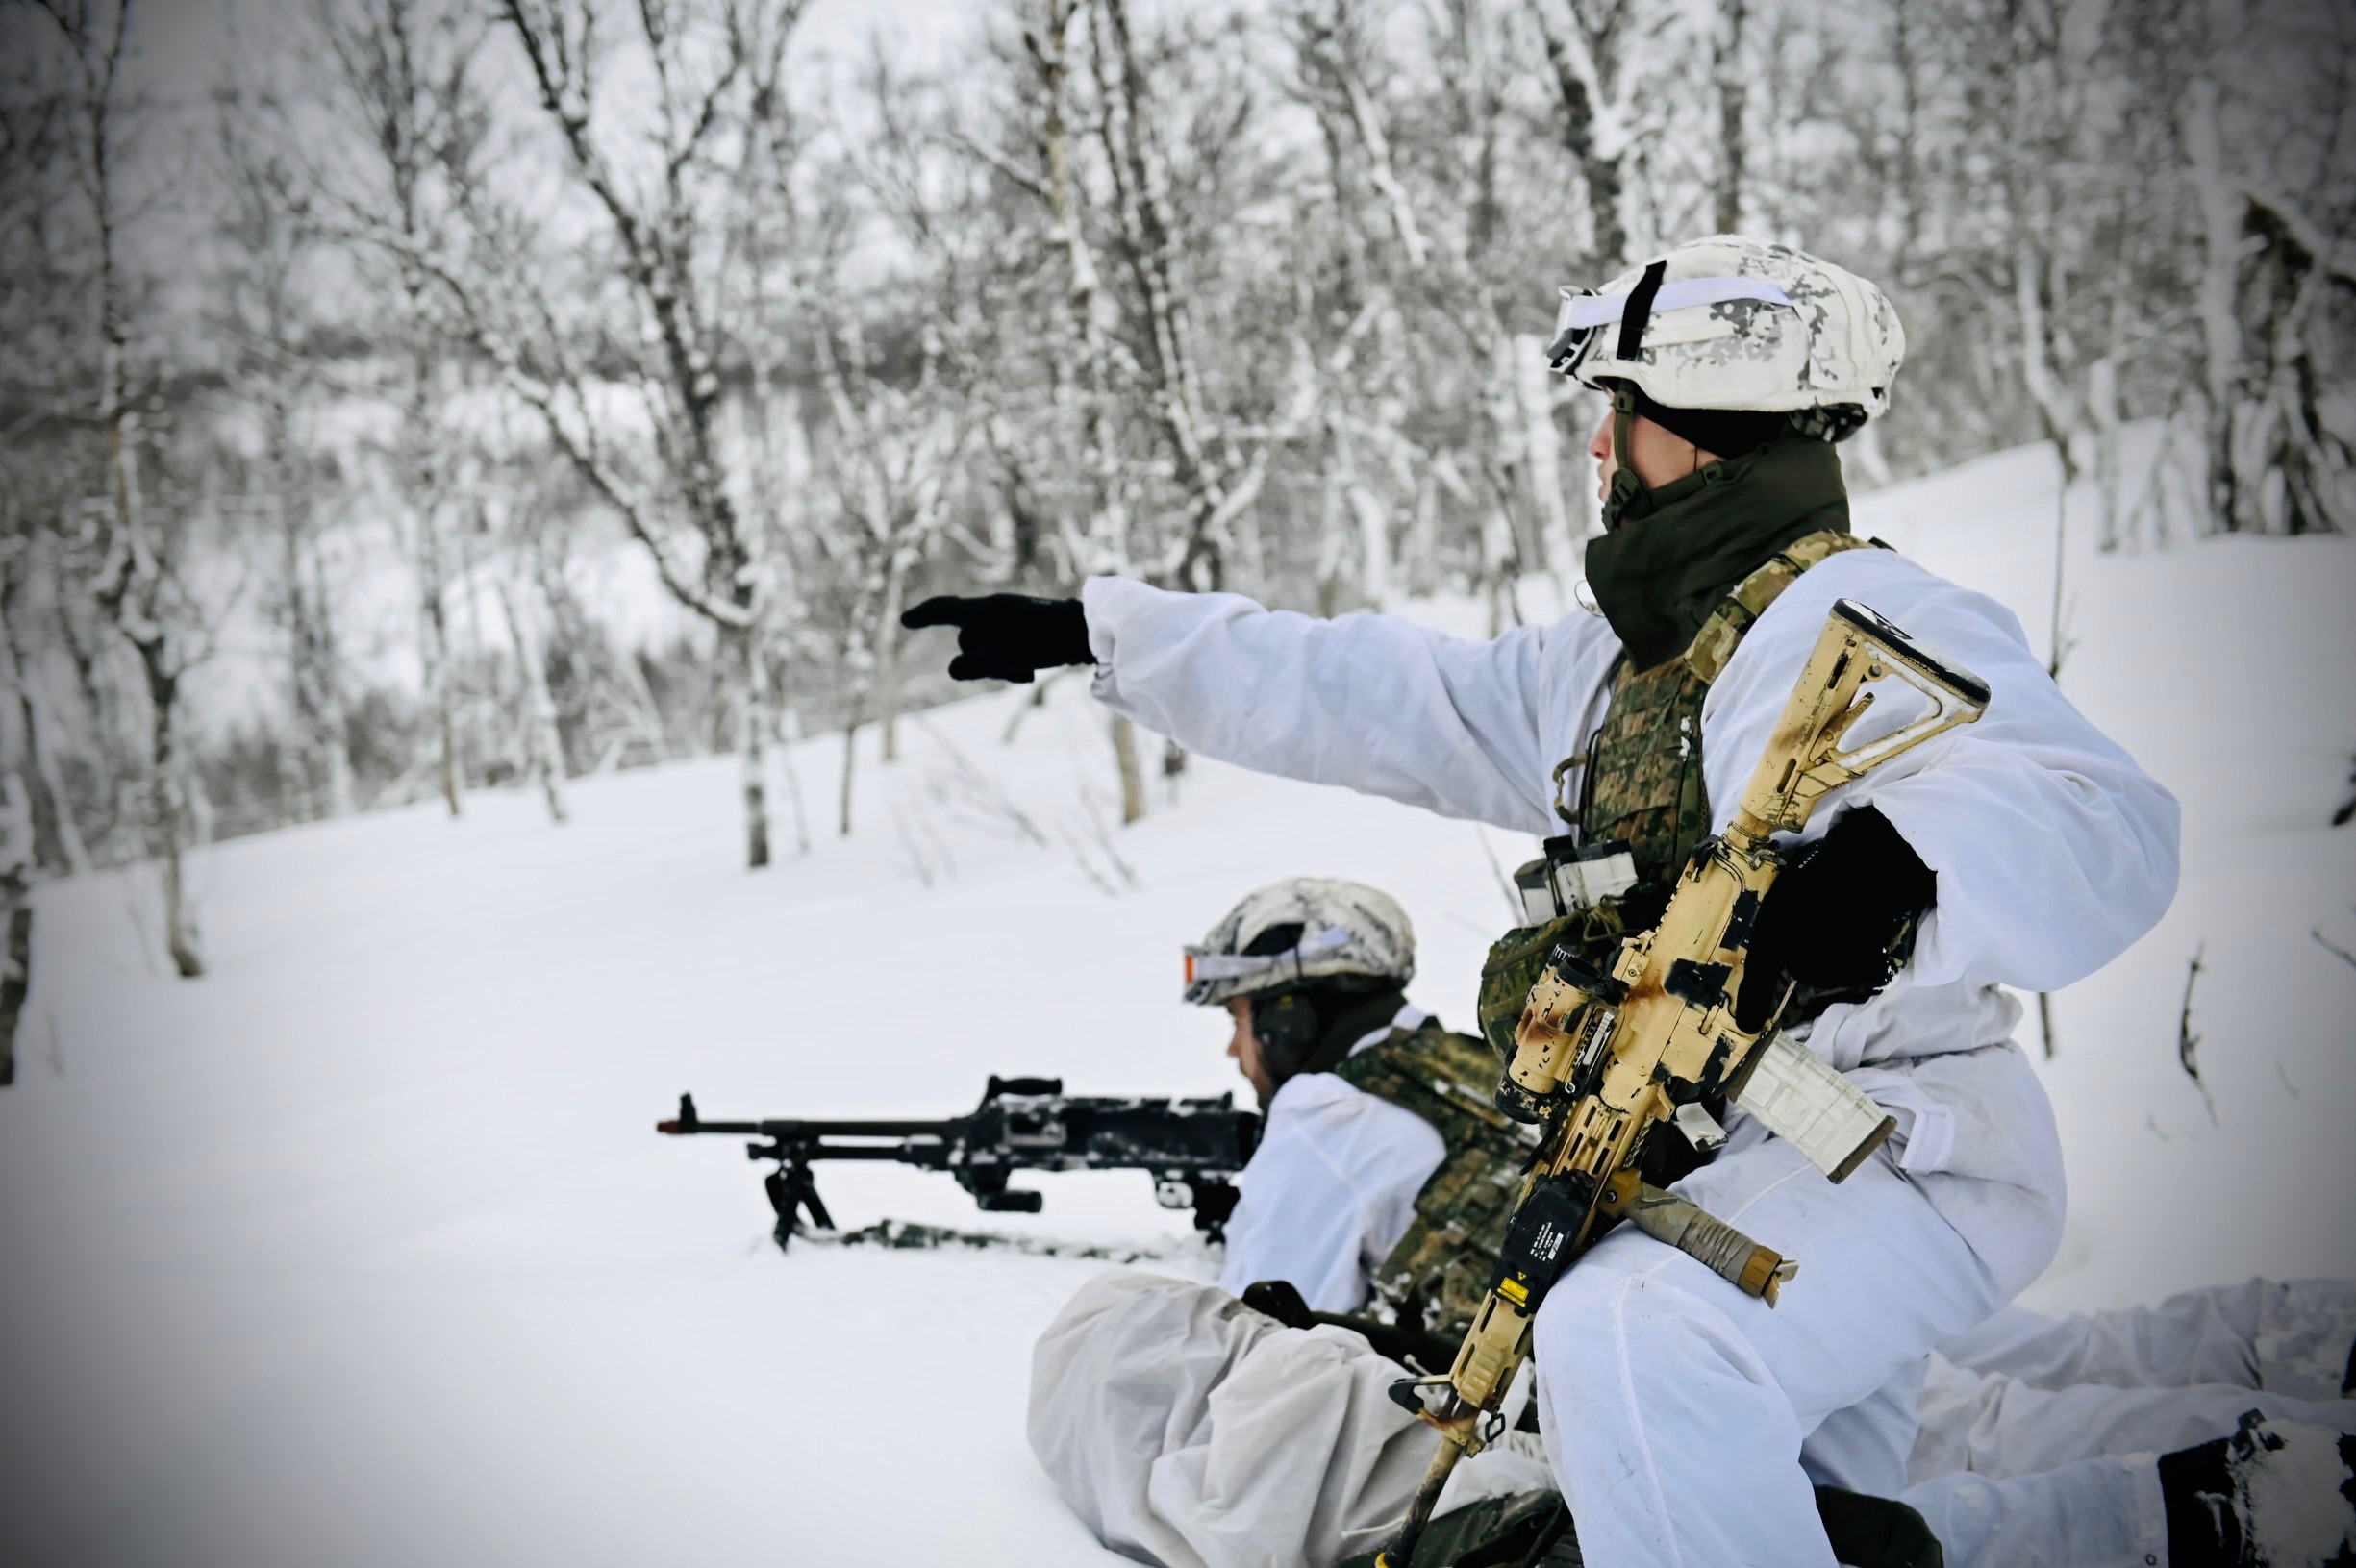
{"x":1436,"y":1277}
{"x":1640,"y":781}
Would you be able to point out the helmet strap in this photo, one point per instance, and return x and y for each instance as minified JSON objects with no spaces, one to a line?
{"x":1625,"y":486}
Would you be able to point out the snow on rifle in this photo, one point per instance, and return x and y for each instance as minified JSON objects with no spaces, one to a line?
{"x":1192,"y":1148}
{"x":1601,"y":1057}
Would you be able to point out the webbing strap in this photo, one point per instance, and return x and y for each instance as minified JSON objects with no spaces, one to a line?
{"x":1639,"y":310}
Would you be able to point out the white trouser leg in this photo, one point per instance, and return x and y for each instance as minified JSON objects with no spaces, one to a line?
{"x":2009,"y":1473}
{"x":1993,"y":1424}
{"x":1675,"y":1405}
{"x":1865,"y":1447}
{"x":2292,"y":1336}
{"x":2095,"y":1514}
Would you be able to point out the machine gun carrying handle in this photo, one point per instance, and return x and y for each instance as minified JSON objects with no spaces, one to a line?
{"x":1022,"y":1087}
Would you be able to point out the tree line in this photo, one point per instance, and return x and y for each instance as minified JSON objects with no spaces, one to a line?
{"x":418,"y":301}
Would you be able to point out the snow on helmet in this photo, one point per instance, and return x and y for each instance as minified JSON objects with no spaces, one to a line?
{"x":1740,"y":324}
{"x":1301,"y":929}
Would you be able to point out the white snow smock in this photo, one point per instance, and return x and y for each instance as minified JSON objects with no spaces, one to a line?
{"x":1331,"y":1187}
{"x":2052,"y":849}
{"x":1695,"y":1408}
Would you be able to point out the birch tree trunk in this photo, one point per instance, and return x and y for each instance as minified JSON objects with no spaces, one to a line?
{"x":1377,"y":575}
{"x":790,"y":735}
{"x":887,"y":638}
{"x":2103,"y":406}
{"x":544,"y":745}
{"x":167,"y":799}
{"x":16,"y":868}
{"x":1733,"y":83}
{"x":755,"y":720}
{"x":850,"y":761}
{"x":1132,"y":774}
{"x":1543,"y":442}
{"x":1107,"y":531}
{"x":434,"y":623}
{"x":57,"y":839}
{"x":2221,"y":327}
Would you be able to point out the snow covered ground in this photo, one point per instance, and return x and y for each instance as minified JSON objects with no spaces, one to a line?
{"x":363,"y":1251}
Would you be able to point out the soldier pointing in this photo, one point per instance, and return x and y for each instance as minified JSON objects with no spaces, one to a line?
{"x":1687,"y":1420}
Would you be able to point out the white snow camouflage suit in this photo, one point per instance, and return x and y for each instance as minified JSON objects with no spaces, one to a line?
{"x":1702,"y":1415}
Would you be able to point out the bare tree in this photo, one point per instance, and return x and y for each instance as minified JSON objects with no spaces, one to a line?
{"x":1593,"y":49}
{"x":137,"y":581}
{"x":2276,"y":465}
{"x":1730,"y":75}
{"x":404,"y":68}
{"x":892,"y":461}
{"x":141,"y":587}
{"x":1124,"y":396}
{"x":264,"y":318}
{"x":16,"y":869}
{"x":44,"y":298}
{"x":1216,"y":478}
{"x":710,"y":66}
{"x":1363,"y":256}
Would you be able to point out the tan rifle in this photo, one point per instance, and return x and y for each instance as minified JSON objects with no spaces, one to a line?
{"x":1602,"y":1058}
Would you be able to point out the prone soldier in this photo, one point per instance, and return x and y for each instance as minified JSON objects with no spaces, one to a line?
{"x":1383,"y":1172}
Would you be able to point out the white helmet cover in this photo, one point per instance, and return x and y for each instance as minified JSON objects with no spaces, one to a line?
{"x":1737,"y":323}
{"x":1348,"y":930}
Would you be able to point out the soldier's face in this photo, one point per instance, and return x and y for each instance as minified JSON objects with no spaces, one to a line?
{"x":1658,"y":456}
{"x":1245,"y":1047}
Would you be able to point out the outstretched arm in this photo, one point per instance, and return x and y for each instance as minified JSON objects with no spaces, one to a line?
{"x":1371,"y":702}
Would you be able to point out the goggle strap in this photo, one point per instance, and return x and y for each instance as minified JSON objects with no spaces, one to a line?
{"x":1203,"y":965}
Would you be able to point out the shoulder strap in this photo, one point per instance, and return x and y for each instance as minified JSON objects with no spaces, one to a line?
{"x":1715,"y":643}
{"x":1442,"y":1077}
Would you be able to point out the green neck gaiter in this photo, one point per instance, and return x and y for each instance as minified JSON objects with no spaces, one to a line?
{"x":1674,"y":552}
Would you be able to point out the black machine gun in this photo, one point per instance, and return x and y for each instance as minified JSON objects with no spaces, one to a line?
{"x":1192,"y":1148}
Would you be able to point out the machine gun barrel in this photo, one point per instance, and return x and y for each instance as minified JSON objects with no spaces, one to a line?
{"x":688,"y":1122}
{"x":1192,"y":1148}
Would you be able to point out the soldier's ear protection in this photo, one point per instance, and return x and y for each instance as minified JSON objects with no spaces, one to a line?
{"x":1286,"y":1025}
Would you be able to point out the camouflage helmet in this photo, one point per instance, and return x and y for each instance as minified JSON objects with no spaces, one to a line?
{"x":1299,"y":931}
{"x":1738,"y":324}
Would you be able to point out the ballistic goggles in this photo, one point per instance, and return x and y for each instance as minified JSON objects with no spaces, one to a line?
{"x":1205,"y":967}
{"x":1584,"y":312}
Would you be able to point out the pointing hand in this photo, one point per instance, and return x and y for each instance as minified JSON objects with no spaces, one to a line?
{"x":1007,"y":636}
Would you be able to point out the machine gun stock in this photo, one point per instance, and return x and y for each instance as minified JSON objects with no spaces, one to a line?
{"x":1192,"y":1148}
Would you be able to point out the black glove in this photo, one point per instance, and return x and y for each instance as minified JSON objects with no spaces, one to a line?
{"x":1281,"y":1300}
{"x":1877,"y":1532}
{"x":1835,"y":915}
{"x":1007,"y":636}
